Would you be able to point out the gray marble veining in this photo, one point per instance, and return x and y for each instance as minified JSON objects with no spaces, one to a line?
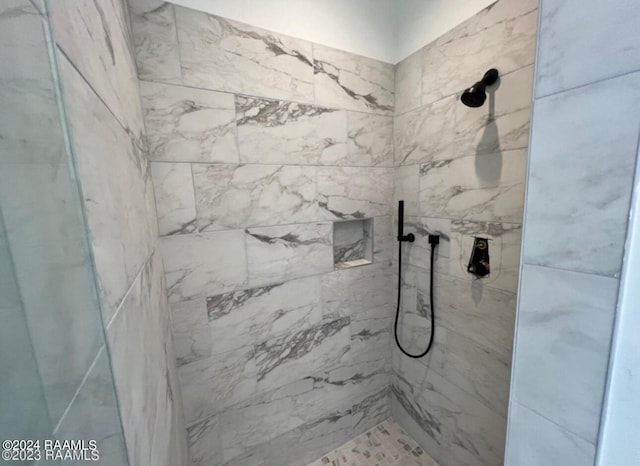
{"x":281,"y":253}
{"x":238,"y":196}
{"x":189,"y":125}
{"x":175,"y":202}
{"x":592,"y":133}
{"x":225,"y":55}
{"x":563,"y":339}
{"x":277,"y":131}
{"x":352,"y":82}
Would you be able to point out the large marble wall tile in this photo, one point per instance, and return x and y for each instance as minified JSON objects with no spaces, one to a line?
{"x":283,"y":360}
{"x":117,"y":188}
{"x":406,"y":187}
{"x":418,"y":253}
{"x":278,"y":131}
{"x":584,"y":42}
{"x":237,"y":196}
{"x":204,"y":442}
{"x":370,"y":139}
{"x":553,"y":445}
{"x":426,"y":133}
{"x":408,"y":92}
{"x":95,"y":38}
{"x":383,"y":239}
{"x":253,"y":316}
{"x":488,"y":187}
{"x":358,"y":292}
{"x":260,"y":419}
{"x":210,"y":385}
{"x":93,"y":414}
{"x":592,"y":133}
{"x":175,"y":202}
{"x":155,"y":40}
{"x":502,"y":123}
{"x":349,"y":192}
{"x":143,"y":366}
{"x":504,"y":251}
{"x":190,"y":331}
{"x":563,"y":346}
{"x":371,"y":339}
{"x":370,"y":411}
{"x":352,"y":82}
{"x":501,"y":36}
{"x":483,"y":314}
{"x":204,"y":264}
{"x":229,"y":56}
{"x":480,"y":371}
{"x":189,"y":125}
{"x":279,"y":253}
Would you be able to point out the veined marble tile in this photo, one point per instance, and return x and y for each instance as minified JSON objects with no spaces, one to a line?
{"x":472,"y":433}
{"x":501,"y":36}
{"x":175,"y":203}
{"x":143,"y":369}
{"x":283,"y":360}
{"x":409,"y":83}
{"x":253,"y":316}
{"x":347,"y":193}
{"x":190,"y":331}
{"x":418,"y":253}
{"x":426,"y":133}
{"x":278,"y":131}
{"x":406,"y":185}
{"x":370,"y":139}
{"x":504,"y":251}
{"x":95,"y":38}
{"x":479,"y":371}
{"x":358,"y":292}
{"x":383,"y":239}
{"x":211,"y":385}
{"x":592,"y":133}
{"x":357,"y":380}
{"x":93,"y":414}
{"x":204,"y":264}
{"x":204,"y":442}
{"x":279,"y":253}
{"x":117,"y":188}
{"x":404,"y":419}
{"x":483,"y":314}
{"x":371,"y":339}
{"x":352,"y":82}
{"x":237,"y":196}
{"x":371,"y":410}
{"x":260,"y":419}
{"x":189,"y":125}
{"x":563,"y":346}
{"x":553,"y":445}
{"x":307,"y":442}
{"x":155,"y":39}
{"x":584,"y":42}
{"x":225,"y":55}
{"x":502,"y":123}
{"x":487,"y":187}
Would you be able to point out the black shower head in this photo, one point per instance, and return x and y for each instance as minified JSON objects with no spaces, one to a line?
{"x":476,"y":95}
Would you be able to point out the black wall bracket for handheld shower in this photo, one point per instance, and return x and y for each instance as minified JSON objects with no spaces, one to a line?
{"x":401,"y":236}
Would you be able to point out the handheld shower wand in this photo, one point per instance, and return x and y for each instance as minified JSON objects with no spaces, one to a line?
{"x":434,"y":240}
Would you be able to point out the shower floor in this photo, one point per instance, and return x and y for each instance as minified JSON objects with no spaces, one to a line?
{"x":387,"y":444}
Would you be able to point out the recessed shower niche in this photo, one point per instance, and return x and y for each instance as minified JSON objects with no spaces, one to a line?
{"x":352,"y":243}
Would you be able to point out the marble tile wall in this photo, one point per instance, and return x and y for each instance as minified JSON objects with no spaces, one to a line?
{"x":461,"y":173}
{"x":584,"y":143}
{"x":258,"y":142}
{"x":94,"y":54}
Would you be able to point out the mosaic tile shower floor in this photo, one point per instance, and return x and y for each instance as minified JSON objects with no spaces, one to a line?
{"x":387,"y":444}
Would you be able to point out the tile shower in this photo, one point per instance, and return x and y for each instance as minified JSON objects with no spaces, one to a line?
{"x":221,"y":199}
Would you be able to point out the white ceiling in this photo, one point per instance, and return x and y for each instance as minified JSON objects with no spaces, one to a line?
{"x":387,"y":30}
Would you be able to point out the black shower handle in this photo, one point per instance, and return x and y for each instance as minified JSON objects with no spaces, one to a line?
{"x":401,"y":237}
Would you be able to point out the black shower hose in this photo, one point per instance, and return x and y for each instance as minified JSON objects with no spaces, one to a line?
{"x":395,"y":327}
